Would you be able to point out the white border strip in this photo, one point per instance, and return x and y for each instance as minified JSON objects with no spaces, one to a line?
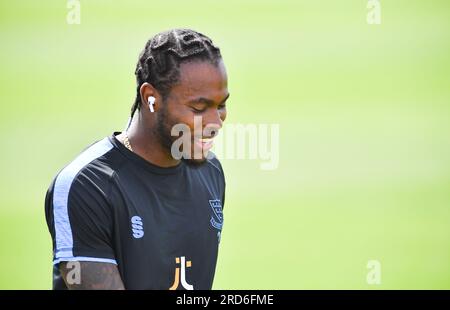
{"x":84,"y":259}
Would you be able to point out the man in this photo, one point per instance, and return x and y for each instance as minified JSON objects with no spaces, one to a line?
{"x":131,"y":213}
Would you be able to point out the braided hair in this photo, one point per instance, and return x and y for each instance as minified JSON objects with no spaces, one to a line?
{"x":160,"y":61}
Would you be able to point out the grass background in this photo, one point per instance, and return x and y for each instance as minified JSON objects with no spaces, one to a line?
{"x":364,"y":118}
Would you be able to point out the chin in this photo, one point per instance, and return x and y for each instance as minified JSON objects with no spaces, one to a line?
{"x":191,"y":160}
{"x":195,"y":162}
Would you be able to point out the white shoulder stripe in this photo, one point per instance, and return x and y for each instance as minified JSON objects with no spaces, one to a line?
{"x":63,"y":231}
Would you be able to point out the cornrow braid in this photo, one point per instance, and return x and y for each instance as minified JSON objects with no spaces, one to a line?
{"x":160,"y":61}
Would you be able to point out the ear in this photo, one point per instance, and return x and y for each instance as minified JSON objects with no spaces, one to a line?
{"x":146,"y":91}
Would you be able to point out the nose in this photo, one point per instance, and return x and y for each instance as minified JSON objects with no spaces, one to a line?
{"x":213,"y":122}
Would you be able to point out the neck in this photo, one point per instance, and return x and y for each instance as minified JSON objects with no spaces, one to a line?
{"x":146,"y":144}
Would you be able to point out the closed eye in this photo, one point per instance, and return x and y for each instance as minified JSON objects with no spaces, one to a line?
{"x":195,"y":110}
{"x":200,"y":105}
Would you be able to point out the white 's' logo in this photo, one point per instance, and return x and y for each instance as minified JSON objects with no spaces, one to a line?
{"x":137,"y":227}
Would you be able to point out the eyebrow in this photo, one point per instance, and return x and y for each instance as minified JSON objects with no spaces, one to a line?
{"x":208,"y":101}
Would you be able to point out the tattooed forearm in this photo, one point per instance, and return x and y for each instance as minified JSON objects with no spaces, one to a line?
{"x":91,"y":276}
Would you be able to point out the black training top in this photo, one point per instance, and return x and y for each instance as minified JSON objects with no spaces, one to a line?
{"x":161,"y":226}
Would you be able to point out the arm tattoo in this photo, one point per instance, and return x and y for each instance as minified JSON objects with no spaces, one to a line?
{"x":91,"y":276}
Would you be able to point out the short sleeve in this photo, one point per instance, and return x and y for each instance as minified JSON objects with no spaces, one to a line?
{"x":216,"y":163}
{"x":79,"y":217}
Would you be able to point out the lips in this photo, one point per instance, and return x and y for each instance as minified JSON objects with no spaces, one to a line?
{"x":204,"y":143}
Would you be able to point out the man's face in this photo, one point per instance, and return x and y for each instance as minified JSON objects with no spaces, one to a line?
{"x":200,"y":93}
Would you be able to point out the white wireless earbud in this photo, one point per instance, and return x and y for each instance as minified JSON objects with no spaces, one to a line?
{"x":151,"y":102}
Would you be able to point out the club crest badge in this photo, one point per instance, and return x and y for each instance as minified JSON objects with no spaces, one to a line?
{"x":217,"y":215}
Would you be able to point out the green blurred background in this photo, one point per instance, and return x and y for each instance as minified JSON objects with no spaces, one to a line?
{"x":364,"y":114}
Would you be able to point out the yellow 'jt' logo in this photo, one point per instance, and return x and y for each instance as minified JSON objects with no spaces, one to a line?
{"x":176,"y":282}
